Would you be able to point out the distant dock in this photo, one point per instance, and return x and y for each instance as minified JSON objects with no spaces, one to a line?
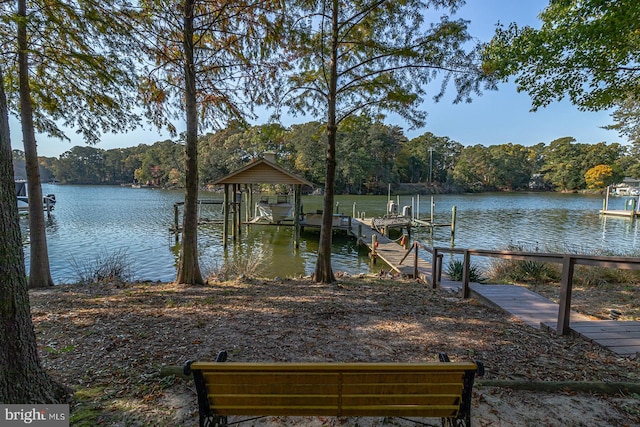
{"x":631,"y":207}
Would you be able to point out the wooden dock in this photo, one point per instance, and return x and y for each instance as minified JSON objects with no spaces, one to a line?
{"x":621,"y":213}
{"x":389,"y":251}
{"x":620,"y":337}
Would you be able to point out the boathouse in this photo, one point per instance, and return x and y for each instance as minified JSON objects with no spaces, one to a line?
{"x":239,"y":195}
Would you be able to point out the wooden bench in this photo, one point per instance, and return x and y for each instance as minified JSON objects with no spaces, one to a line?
{"x":438,"y":389}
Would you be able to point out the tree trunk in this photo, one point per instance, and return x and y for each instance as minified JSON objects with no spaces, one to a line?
{"x":39,"y":271}
{"x":188,"y":268}
{"x":324,"y":272}
{"x":22,"y":379}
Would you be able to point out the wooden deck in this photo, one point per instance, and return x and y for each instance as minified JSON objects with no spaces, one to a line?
{"x":620,"y":337}
{"x":388,"y":250}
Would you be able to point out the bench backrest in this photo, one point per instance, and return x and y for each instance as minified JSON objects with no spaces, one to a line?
{"x":334,"y":389}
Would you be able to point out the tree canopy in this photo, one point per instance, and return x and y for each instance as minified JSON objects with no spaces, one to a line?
{"x":372,"y":57}
{"x":453,"y":167}
{"x":587,"y":51}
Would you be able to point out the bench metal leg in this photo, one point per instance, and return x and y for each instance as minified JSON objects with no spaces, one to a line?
{"x":214,"y":421}
{"x":456,"y":422}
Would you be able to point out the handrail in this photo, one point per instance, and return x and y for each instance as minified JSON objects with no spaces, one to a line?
{"x":568,"y":262}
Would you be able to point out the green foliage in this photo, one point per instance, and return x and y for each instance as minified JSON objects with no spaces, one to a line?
{"x":373,"y":155}
{"x":385,"y":57}
{"x":427,"y":155}
{"x":530,"y":271}
{"x":455,"y":271}
{"x":587,"y":51}
{"x":81,"y":75}
{"x":229,"y":47}
{"x":567,"y":162}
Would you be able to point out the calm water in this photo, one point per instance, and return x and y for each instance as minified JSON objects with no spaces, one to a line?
{"x":90,"y":222}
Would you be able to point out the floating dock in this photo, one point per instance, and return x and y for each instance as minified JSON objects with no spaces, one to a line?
{"x":631,"y":207}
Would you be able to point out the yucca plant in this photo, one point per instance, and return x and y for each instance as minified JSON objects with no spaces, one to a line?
{"x":455,"y":271}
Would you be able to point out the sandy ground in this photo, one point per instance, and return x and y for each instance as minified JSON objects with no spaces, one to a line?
{"x":109,"y":342}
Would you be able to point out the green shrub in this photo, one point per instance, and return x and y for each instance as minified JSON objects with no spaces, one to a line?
{"x":455,"y":271}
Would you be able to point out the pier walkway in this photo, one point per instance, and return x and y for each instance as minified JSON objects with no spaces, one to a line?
{"x":388,"y":250}
{"x":620,"y":337}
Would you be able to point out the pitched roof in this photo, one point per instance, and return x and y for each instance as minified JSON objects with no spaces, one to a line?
{"x":262,"y":171}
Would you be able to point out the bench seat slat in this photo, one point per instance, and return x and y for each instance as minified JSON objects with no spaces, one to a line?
{"x":317,"y":389}
{"x":319,"y":410}
{"x":331,"y":378}
{"x":409,"y":388}
{"x":402,"y":378}
{"x":249,"y":367}
{"x":222,"y":378}
{"x":293,"y":400}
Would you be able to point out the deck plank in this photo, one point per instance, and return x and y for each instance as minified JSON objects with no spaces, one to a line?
{"x":620,"y":337}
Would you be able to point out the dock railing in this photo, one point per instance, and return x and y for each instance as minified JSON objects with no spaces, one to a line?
{"x":568,"y":262}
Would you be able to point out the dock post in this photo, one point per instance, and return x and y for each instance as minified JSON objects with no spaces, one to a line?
{"x":432,"y":210}
{"x":359,"y":231}
{"x":415,"y":260}
{"x":564,"y":312}
{"x":374,"y":242}
{"x":434,"y":269}
{"x":296,"y":216}
{"x":454,"y":210}
{"x":466,"y":272}
{"x":337,"y":207}
{"x":225,"y":226}
{"x":353,"y":214}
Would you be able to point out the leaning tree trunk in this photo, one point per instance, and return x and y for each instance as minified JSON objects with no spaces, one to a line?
{"x":324,"y":272}
{"x":39,"y":271}
{"x":22,"y":379}
{"x":188,"y":268}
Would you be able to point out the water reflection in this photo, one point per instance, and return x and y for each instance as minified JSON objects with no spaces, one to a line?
{"x":89,"y":220}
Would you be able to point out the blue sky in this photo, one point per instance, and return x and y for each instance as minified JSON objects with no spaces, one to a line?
{"x":496,"y":117}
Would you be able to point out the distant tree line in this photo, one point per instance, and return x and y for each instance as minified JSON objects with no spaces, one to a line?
{"x":372,"y":155}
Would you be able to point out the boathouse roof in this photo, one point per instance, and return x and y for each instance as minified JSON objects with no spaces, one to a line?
{"x":262,"y":171}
